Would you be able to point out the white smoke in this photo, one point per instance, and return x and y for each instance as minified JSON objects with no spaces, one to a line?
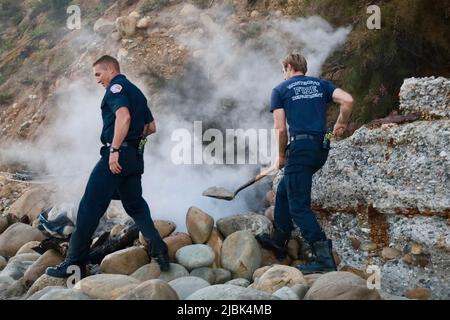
{"x":226,"y":67}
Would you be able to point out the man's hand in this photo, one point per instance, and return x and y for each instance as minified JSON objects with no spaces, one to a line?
{"x":339,"y":129}
{"x":280,"y":162}
{"x":114,"y":165}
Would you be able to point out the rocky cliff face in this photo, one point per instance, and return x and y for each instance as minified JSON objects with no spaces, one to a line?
{"x":388,"y":187}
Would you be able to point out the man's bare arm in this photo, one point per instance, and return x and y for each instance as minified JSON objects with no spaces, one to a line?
{"x":121,"y":126}
{"x":345,"y":101}
{"x":279,"y":118}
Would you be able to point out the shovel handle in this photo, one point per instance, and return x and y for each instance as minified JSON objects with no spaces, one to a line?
{"x":255,"y":179}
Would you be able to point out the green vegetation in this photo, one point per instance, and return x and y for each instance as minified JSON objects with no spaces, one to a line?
{"x":5,"y":98}
{"x":412,"y":41}
{"x":55,"y":9}
{"x":11,"y":10}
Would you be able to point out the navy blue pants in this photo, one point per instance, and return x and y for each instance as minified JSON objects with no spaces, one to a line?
{"x":293,"y":198}
{"x":102,"y":187}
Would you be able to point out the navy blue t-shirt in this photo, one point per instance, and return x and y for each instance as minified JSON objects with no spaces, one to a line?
{"x":122,"y":93}
{"x":304,"y":100}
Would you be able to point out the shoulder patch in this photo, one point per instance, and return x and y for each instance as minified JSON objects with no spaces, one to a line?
{"x":116,"y":88}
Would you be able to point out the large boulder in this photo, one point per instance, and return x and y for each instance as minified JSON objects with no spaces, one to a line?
{"x":277,"y":277}
{"x":106,"y":286}
{"x":49,"y":259}
{"x":125,"y":261}
{"x":16,"y":236}
{"x":147,"y":272}
{"x":341,"y":286}
{"x":154,"y":289}
{"x":255,"y":223}
{"x":199,"y":225}
{"x":426,"y":95}
{"x":186,"y":286}
{"x":30,"y":204}
{"x":230,"y":292}
{"x":241,"y":254}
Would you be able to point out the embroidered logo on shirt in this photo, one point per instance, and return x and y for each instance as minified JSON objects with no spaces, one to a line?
{"x":116,"y":88}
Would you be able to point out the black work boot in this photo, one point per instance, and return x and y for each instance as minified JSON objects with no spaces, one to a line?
{"x":277,"y":244}
{"x":323,"y":261}
{"x":60,"y":271}
{"x":163,"y":260}
{"x":159,"y":253}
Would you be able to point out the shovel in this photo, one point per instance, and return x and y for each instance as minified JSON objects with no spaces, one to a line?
{"x":224,"y":194}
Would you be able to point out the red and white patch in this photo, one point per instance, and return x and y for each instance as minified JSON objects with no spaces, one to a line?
{"x":116,"y":88}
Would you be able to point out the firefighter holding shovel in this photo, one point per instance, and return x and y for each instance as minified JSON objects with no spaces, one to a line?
{"x":301,"y":102}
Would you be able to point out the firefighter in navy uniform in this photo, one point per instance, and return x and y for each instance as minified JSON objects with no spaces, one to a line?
{"x":302,"y":101}
{"x":126,"y":120}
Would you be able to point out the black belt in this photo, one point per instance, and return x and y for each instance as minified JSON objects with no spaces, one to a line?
{"x":304,"y":137}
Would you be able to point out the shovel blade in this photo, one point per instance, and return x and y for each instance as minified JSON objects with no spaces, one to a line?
{"x":218,"y":193}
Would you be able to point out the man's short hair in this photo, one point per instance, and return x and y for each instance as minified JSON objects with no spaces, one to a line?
{"x":108,"y":60}
{"x":297,"y":61}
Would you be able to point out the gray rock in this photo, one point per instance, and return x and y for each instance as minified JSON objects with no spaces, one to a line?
{"x":175,"y":271}
{"x":300,"y":290}
{"x":241,"y":254}
{"x":204,"y":273}
{"x":230,"y":292}
{"x":195,"y":256}
{"x":16,"y":269}
{"x":240,"y":282}
{"x":221,"y":275}
{"x":255,"y":223}
{"x":286,"y":293}
{"x":186,"y":286}
{"x":13,"y":291}
{"x":4,"y":279}
{"x":428,"y":95}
